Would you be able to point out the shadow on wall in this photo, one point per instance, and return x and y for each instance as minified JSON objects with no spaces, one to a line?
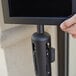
{"x":17,"y":50}
{"x":16,"y":45}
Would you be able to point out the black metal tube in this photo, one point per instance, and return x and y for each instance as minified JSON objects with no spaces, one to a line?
{"x":40,"y":28}
{"x":66,"y":55}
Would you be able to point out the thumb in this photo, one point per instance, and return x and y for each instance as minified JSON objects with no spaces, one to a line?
{"x":68,"y":23}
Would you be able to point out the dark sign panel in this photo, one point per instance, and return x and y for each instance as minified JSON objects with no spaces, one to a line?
{"x":40,"y":8}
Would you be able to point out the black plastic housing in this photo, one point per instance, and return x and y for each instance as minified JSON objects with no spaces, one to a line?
{"x":42,"y":53}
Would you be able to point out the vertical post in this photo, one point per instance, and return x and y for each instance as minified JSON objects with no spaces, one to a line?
{"x":63,"y":53}
{"x":42,"y":54}
{"x":40,"y":28}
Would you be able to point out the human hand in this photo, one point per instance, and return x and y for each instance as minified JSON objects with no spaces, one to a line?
{"x":69,"y":26}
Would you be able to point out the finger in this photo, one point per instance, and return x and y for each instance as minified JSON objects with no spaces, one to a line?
{"x":74,"y":36}
{"x":71,"y":30}
{"x":68,"y":23}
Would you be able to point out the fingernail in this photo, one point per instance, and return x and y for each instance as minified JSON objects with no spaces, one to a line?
{"x":62,"y":26}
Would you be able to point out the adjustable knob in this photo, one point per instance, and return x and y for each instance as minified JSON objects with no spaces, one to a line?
{"x":52,"y":55}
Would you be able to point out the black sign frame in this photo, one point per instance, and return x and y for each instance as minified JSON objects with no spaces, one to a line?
{"x":33,"y":20}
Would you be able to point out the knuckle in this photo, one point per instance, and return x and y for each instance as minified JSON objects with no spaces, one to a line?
{"x":66,"y":23}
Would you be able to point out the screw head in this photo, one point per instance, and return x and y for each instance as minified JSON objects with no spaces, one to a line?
{"x":48,"y":72}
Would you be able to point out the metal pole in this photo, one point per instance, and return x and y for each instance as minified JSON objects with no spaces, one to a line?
{"x":40,"y":28}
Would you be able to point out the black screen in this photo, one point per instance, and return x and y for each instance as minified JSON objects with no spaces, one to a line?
{"x":40,"y":8}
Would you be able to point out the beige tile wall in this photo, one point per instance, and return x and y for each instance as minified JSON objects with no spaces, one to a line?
{"x":72,"y":56}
